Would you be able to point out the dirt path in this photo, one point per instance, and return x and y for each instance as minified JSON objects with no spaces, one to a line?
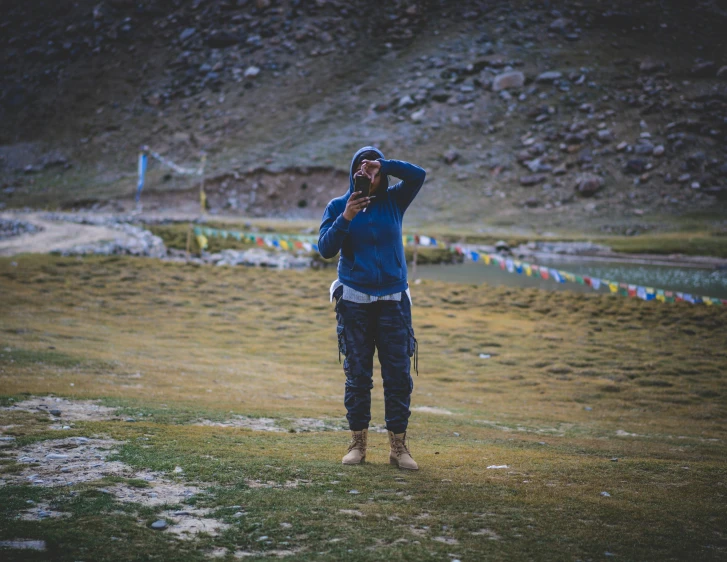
{"x":56,"y":235}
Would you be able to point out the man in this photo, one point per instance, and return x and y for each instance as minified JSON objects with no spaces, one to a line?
{"x":373,"y":304}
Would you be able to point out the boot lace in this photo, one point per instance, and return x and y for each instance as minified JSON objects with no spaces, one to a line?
{"x":357,"y":442}
{"x":400,"y":447}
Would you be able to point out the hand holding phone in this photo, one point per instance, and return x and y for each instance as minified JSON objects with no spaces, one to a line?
{"x":356,"y":202}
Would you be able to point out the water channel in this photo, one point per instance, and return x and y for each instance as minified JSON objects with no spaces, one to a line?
{"x":697,"y":281}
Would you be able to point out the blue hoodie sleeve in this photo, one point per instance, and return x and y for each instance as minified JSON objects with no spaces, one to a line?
{"x":333,"y":231}
{"x":412,"y":178}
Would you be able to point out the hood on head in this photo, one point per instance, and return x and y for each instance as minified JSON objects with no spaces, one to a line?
{"x":384,"y":179}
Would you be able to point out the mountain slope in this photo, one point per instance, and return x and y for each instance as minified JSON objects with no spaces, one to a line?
{"x":575,"y":116}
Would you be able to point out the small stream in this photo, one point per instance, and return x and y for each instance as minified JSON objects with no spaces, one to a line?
{"x":709,"y":282}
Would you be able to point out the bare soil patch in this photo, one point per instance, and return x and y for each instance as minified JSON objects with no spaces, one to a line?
{"x":55,"y":235}
{"x":273,"y":424}
{"x":64,"y":410}
{"x":189,"y":522}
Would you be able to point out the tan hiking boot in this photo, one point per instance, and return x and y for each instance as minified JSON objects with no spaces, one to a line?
{"x":357,"y":449}
{"x":399,"y":453}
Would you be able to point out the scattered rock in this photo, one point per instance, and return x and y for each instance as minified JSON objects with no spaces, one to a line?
{"x":508,"y":80}
{"x":450,"y":156}
{"x":23,"y":544}
{"x":649,"y":65}
{"x":159,"y":525}
{"x":560,"y":25}
{"x":251,"y":72}
{"x":10,"y":228}
{"x":605,"y":135}
{"x":548,"y":77}
{"x":418,"y":116}
{"x":405,"y":101}
{"x":535,"y":179}
{"x":589,"y":185}
{"x":502,"y":246}
{"x":258,"y":257}
{"x":635,"y":166}
{"x":187,"y":33}
{"x":644,"y":148}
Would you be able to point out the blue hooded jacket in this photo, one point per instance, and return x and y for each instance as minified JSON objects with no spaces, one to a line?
{"x":372,"y":252}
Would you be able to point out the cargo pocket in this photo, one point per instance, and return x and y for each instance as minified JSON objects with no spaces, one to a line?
{"x":341,"y":341}
{"x":413,"y":349}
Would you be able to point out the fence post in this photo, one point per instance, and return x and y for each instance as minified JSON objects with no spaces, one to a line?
{"x":416,"y":254}
{"x":189,"y":241}
{"x":202,"y":194}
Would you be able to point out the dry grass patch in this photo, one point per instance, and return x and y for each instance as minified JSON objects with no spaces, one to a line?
{"x":575,"y":394}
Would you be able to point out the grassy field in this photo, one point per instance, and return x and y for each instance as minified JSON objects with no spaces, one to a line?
{"x":580,"y":395}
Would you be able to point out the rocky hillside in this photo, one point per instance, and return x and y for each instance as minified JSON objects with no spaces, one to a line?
{"x":587,"y":115}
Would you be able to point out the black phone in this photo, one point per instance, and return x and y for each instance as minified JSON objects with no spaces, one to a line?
{"x":363,"y":184}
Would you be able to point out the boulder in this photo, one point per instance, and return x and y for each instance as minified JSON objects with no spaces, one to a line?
{"x":529,"y":181}
{"x":605,"y":135}
{"x":222,"y":39}
{"x":549,"y":76}
{"x":441,"y":96}
{"x":508,"y":80}
{"x":451,"y":156}
{"x":589,"y":185}
{"x":251,"y":72}
{"x":405,"y":101}
{"x":560,"y":25}
{"x":644,"y":148}
{"x":635,"y":166}
{"x":649,"y":65}
{"x":187,"y":33}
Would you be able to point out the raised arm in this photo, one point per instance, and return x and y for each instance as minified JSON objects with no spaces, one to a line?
{"x":411,"y":176}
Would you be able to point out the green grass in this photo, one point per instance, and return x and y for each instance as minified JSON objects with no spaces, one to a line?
{"x":689,"y":243}
{"x":574,"y":381}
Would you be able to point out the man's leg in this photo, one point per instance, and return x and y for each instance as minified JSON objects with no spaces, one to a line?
{"x":394,"y":340}
{"x":356,"y":332}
